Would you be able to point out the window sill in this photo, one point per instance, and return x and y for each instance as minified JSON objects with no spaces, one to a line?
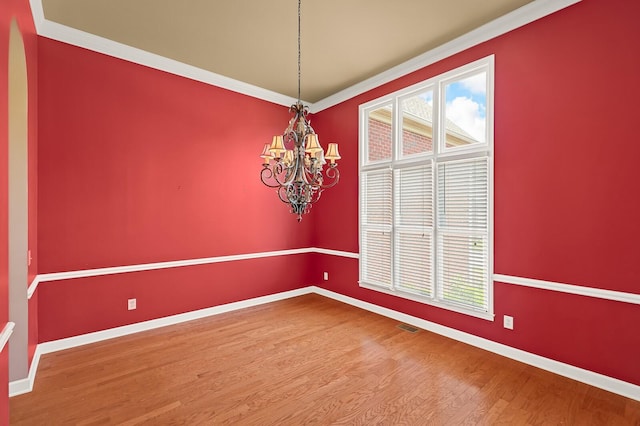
{"x":489,"y":316}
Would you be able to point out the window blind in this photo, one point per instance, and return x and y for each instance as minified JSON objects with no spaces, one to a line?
{"x":426,"y":191}
{"x":414,"y":229}
{"x":463,"y":206}
{"x":376,"y":236}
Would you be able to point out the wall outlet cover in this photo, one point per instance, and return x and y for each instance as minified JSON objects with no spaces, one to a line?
{"x":508,"y":322}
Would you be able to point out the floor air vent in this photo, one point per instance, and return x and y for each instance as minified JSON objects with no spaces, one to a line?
{"x":409,"y":328}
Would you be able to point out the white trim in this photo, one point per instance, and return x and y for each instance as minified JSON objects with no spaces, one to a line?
{"x":628,"y":390}
{"x":22,"y":386}
{"x":526,"y":14}
{"x":336,"y":253}
{"x":489,"y":316}
{"x":518,"y":18}
{"x":439,"y":157}
{"x":98,"y":336}
{"x":37,"y":12}
{"x":19,"y":387}
{"x":610,"y":384}
{"x":599,"y":293}
{"x":507,"y":279}
{"x":33,"y":286}
{"x":56,"y":276}
{"x":7,"y":331}
{"x":75,"y":37}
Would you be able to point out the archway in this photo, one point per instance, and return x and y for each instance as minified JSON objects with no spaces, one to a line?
{"x":18,"y":205}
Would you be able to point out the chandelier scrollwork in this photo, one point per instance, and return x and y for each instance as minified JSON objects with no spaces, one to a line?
{"x":295,"y":164}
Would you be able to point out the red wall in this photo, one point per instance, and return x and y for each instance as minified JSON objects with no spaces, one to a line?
{"x":78,"y":306}
{"x":19,"y":10}
{"x":130,"y":162}
{"x":566,"y":185}
{"x":136,"y":166}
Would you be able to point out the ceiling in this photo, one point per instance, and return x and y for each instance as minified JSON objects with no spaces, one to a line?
{"x":344,"y":42}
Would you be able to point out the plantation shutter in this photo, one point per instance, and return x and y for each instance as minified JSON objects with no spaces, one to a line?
{"x":414,"y":229}
{"x":463,"y":230}
{"x":376,"y":227}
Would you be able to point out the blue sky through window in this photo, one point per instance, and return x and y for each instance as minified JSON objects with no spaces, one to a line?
{"x":466,"y":105}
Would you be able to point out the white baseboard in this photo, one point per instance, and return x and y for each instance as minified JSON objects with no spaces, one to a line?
{"x":601,"y":381}
{"x":19,"y":387}
{"x":610,"y":384}
{"x":98,"y":336}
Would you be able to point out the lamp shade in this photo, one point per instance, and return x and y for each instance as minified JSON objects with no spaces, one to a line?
{"x":299,"y":171}
{"x":277,"y":146}
{"x":332,"y":153}
{"x":288,"y":157}
{"x":312,"y":144}
{"x":266,"y":153}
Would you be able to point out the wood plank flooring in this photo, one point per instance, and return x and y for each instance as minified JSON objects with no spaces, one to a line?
{"x":307,"y":360}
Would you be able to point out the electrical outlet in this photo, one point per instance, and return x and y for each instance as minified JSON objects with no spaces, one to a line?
{"x":508,"y":322}
{"x":326,"y":276}
{"x":131,"y":304}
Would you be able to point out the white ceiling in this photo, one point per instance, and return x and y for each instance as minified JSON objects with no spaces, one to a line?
{"x":254,"y":42}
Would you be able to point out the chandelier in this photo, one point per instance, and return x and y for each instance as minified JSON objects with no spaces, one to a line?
{"x":295,"y":164}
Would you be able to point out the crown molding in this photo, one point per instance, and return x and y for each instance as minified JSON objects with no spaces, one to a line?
{"x":75,"y":37}
{"x":526,"y":14}
{"x":518,"y":18}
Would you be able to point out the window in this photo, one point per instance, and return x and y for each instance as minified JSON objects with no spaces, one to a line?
{"x":426,"y":191}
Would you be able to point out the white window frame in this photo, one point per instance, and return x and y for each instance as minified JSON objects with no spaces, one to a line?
{"x":440,"y":154}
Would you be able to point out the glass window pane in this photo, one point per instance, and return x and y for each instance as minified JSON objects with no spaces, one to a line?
{"x":376,"y":257}
{"x":426,"y":189}
{"x":414,"y":262}
{"x":380,"y":136}
{"x":376,"y":201}
{"x":414,"y":196}
{"x":463,"y":270}
{"x":466,"y":111}
{"x":417,"y":124}
{"x":463,"y":194}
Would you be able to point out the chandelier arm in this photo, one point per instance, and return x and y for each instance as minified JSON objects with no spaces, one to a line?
{"x":334,"y":175}
{"x":313,"y":179}
{"x":266,"y":175}
{"x":298,"y":176}
{"x":282,"y":194}
{"x":275,"y":172}
{"x":316,"y":196}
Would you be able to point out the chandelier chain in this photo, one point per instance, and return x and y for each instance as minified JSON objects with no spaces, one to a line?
{"x":299,"y":64}
{"x":295,"y":164}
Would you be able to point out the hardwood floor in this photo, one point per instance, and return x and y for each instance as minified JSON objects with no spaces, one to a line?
{"x":307,"y":360}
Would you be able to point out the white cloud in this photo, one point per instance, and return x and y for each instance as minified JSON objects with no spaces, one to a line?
{"x":476,"y":84}
{"x":428,"y":97}
{"x":469,"y":116}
